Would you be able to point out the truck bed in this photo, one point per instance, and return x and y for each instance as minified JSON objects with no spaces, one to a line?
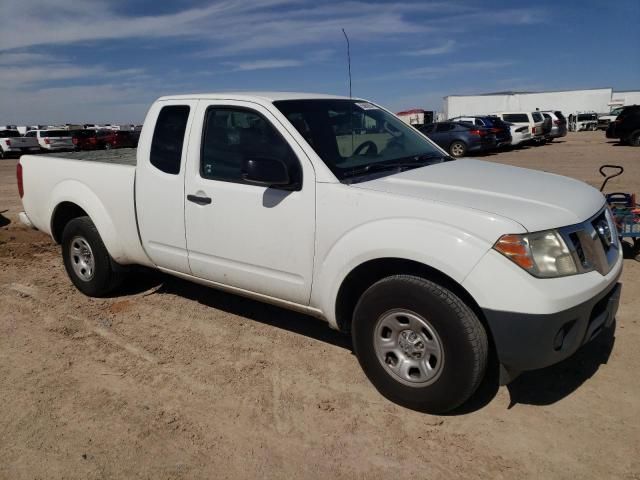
{"x":101,"y":183}
{"x":122,"y":156}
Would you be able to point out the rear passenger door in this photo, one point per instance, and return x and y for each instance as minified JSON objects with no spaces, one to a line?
{"x":442,"y":134}
{"x":159,"y":194}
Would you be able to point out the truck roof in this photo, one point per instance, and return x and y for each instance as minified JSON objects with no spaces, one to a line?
{"x":253,"y":96}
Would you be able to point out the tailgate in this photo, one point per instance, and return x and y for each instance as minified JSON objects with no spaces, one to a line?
{"x":20,"y":142}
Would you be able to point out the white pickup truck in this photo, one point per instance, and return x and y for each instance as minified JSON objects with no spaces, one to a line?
{"x":334,"y":207}
{"x":14,"y":144}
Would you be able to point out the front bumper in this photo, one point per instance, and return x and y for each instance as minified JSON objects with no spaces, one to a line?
{"x":532,"y":341}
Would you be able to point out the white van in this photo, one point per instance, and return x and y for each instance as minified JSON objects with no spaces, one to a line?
{"x":533,"y":119}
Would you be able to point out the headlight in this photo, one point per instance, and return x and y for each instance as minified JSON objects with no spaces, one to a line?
{"x":542,"y":254}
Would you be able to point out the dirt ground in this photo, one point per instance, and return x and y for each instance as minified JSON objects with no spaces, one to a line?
{"x":173,"y":380}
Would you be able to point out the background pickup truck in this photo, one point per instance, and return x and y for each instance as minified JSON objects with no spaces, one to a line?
{"x":334,"y":207}
{"x":14,"y":144}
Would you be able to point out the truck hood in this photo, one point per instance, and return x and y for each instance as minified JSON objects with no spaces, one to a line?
{"x":537,"y":200}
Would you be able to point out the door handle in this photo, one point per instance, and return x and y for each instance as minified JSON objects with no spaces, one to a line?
{"x":199,"y":200}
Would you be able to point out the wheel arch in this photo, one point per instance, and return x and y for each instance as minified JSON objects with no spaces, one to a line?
{"x":366,"y":274}
{"x":72,"y":199}
{"x":63,"y":213}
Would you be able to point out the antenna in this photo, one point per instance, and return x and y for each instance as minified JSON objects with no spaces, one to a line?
{"x":348,"y":59}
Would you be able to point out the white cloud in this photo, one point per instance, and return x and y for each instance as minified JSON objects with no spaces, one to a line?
{"x":70,"y":21}
{"x":446,"y":47}
{"x":24,"y":76}
{"x":235,"y":26}
{"x":433,"y":72}
{"x":264,"y":64}
{"x":244,"y":36}
{"x":24,"y":58}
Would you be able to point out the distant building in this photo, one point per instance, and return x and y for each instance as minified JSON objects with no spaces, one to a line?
{"x":568,"y":101}
{"x":625,"y":97}
{"x":416,"y":116}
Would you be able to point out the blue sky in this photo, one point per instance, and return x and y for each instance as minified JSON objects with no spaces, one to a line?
{"x":98,"y":60}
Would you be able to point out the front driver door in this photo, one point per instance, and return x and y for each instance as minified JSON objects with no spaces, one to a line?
{"x":252,"y":237}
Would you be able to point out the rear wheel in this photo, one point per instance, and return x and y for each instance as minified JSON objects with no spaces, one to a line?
{"x":419,"y":344}
{"x":107,"y":146}
{"x":87,"y":260}
{"x":457,"y":148}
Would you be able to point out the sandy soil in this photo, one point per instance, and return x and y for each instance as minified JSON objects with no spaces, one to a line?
{"x":172,"y":380}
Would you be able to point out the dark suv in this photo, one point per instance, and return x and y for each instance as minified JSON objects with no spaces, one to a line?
{"x":459,"y":139}
{"x":493,"y":123}
{"x":115,"y":139}
{"x":626,"y":126}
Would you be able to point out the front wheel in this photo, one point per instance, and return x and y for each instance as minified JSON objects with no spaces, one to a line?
{"x":419,"y":344}
{"x":87,"y":260}
{"x":634,"y":139}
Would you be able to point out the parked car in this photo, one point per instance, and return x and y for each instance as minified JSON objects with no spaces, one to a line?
{"x":52,"y":140}
{"x":459,"y":139}
{"x":493,"y":123}
{"x":626,"y":126}
{"x":533,"y":120}
{"x":115,"y":139}
{"x":85,"y":139}
{"x":135,"y":137}
{"x":558,"y":124}
{"x":14,"y":144}
{"x":605,"y":119}
{"x":547,"y":125}
{"x":583,"y":121}
{"x":427,"y":262}
{"x":520,"y":134}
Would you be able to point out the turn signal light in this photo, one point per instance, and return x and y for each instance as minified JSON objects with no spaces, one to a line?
{"x":516,"y":249}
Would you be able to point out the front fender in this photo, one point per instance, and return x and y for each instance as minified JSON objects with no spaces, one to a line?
{"x":448,"y":249}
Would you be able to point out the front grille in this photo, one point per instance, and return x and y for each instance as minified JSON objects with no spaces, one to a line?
{"x":590,"y":245}
{"x":579,"y":250}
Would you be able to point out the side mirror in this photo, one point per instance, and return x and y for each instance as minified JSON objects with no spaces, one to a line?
{"x":265,"y":171}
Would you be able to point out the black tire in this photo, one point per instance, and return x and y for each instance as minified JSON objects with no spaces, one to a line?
{"x":104,"y":278}
{"x":459,"y":147}
{"x":634,"y":139}
{"x":462,"y":337}
{"x":107,"y":146}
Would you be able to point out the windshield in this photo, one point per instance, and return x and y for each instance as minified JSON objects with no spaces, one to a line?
{"x":354,"y":137}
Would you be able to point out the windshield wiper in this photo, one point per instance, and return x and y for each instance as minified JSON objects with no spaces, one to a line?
{"x":400,"y":164}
